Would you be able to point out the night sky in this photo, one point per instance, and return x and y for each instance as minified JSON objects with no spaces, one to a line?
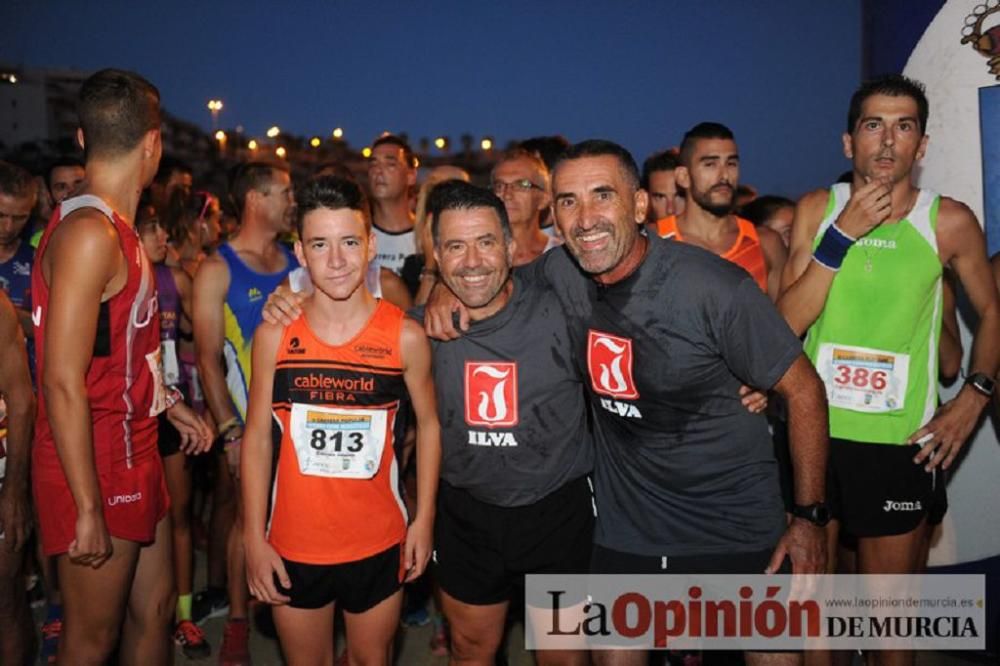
{"x":779,"y":73}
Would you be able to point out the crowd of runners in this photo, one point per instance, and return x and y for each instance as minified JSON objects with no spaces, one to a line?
{"x":383,"y":400}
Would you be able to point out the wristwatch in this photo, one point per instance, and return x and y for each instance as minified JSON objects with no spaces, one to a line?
{"x":818,"y":514}
{"x":982,"y":383}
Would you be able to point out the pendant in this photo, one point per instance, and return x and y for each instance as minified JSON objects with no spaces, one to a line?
{"x":868,"y":265}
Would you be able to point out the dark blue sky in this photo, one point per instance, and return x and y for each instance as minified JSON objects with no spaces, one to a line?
{"x":779,"y":72}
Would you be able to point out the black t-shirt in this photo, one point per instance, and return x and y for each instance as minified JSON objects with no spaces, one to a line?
{"x":681,"y":467}
{"x":513,"y":409}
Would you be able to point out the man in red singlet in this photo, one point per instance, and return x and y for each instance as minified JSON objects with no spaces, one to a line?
{"x":709,"y":172}
{"x":336,"y":380}
{"x":97,"y":477}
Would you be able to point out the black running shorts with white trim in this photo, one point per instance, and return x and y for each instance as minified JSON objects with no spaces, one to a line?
{"x":354,"y":586}
{"x":877,"y":490}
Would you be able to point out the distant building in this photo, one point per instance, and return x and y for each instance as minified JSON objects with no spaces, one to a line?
{"x":38,"y":122}
{"x":38,"y":117}
{"x":37,"y":105}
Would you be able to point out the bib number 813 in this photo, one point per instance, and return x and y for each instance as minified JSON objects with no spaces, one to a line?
{"x":861,"y":378}
{"x":319,"y":439}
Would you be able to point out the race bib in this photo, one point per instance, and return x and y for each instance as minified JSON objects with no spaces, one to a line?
{"x":171,"y":366}
{"x":159,"y":404}
{"x":338,"y":443}
{"x":862,"y":379}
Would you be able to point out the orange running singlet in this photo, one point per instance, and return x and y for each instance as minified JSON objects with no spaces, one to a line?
{"x":336,"y":494}
{"x":745,"y":252}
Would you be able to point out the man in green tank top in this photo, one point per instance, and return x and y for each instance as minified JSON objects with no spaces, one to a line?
{"x":863,"y":281}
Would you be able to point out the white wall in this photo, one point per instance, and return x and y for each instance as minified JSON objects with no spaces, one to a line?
{"x":953,"y":73}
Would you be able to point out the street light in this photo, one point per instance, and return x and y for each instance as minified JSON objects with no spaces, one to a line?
{"x":215,"y":105}
{"x":486,"y":144}
{"x":273,"y":132}
{"x":220,"y":136}
{"x":441,"y":143}
{"x":315,"y":141}
{"x":281,"y":152}
{"x":252,"y":144}
{"x":366,"y":152}
{"x":338,"y":133}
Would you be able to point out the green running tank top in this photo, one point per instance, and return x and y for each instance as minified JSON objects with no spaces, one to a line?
{"x":875,"y":345}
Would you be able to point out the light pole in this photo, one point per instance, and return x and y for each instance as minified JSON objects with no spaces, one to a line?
{"x":215,"y":105}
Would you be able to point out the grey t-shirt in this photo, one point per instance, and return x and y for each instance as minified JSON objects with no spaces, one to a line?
{"x":682,"y":468}
{"x":513,"y":409}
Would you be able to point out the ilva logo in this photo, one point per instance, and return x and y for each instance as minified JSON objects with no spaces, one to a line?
{"x":609,"y":363}
{"x":491,"y":394}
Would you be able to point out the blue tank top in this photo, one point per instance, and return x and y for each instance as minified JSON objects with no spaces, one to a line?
{"x":15,"y":276}
{"x":248,"y":291}
{"x":15,"y":281}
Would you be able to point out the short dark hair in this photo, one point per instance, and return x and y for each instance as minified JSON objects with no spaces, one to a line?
{"x":170,"y":165}
{"x":602,"y":148}
{"x":665,"y":160}
{"x":549,"y":148}
{"x":16,"y":181}
{"x":395,"y":140}
{"x":706,"y":130}
{"x":116,"y":108}
{"x":762,"y":209}
{"x":180,"y":213}
{"x":256,"y":176}
{"x":61,"y":162}
{"x":893,"y":85}
{"x":146,"y":215}
{"x":460,"y":195}
{"x":333,"y":169}
{"x":333,"y":193}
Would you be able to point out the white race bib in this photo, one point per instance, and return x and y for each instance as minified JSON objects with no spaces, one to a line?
{"x":863,"y":379}
{"x":171,"y":366}
{"x":338,"y":443}
{"x":159,"y":404}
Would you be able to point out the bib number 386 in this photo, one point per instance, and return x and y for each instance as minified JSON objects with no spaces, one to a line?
{"x":338,"y":443}
{"x":862,"y":379}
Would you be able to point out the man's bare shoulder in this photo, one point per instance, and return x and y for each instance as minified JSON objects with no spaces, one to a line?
{"x":211,"y":270}
{"x":814,"y":202}
{"x":768,"y":237}
{"x":954,"y":215}
{"x":88,"y":227}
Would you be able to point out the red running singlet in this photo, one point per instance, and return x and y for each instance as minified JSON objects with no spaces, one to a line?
{"x":125,"y":393}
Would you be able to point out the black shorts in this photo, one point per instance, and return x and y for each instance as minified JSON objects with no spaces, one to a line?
{"x":607,"y":561}
{"x":876,"y":489}
{"x":354,"y":586}
{"x":482,"y":551}
{"x":168,"y":440}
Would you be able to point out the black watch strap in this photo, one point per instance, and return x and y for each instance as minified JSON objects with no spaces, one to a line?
{"x":982,"y":383}
{"x":817,"y":514}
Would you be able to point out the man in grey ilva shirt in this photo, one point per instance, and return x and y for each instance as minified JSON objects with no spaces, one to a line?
{"x":516,"y":441}
{"x":665,"y":334}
